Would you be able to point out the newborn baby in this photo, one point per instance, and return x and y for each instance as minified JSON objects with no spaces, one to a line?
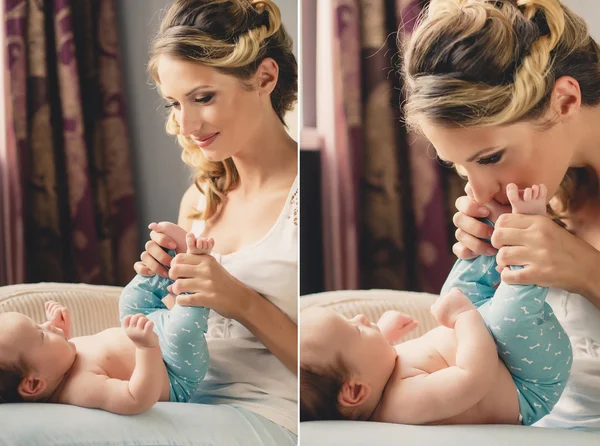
{"x":157,"y":355}
{"x":499,"y":356}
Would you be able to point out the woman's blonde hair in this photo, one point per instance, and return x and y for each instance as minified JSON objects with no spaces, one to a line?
{"x":486,"y":63}
{"x":234,"y":37}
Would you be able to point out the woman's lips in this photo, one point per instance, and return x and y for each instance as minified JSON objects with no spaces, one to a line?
{"x":206,"y":141}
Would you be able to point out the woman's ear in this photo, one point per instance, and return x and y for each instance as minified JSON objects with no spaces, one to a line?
{"x":267,"y":75}
{"x":353,"y":393}
{"x":566,"y":97}
{"x":31,"y":387}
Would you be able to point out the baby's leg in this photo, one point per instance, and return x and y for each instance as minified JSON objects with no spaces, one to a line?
{"x":182,"y":339}
{"x":477,"y":278}
{"x":531,"y":341}
{"x":532,"y":344}
{"x":144,"y":294}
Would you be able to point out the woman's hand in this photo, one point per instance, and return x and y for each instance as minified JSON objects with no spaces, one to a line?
{"x":550,"y":255}
{"x":470,"y":230}
{"x":210,"y":284}
{"x":164,"y":235}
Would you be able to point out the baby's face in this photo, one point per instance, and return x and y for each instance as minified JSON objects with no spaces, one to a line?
{"x":324,"y":335}
{"x":43,"y":347}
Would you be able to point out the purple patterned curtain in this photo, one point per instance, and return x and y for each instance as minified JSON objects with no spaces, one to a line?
{"x":68,"y":117}
{"x":407,"y":199}
{"x":339,"y":124}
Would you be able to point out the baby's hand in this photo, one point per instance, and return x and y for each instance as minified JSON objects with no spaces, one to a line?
{"x":139,"y":329}
{"x":173,"y":231}
{"x":448,"y":307}
{"x":395,"y":325}
{"x":59,"y":316}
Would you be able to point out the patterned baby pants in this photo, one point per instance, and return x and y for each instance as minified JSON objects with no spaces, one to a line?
{"x":530,"y":340}
{"x":180,"y":332}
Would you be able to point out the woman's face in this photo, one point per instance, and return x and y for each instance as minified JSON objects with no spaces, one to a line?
{"x":493,"y":157}
{"x":216,"y":111}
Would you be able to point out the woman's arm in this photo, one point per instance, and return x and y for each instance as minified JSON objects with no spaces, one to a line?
{"x":188,"y":202}
{"x":273,"y":328}
{"x":551,"y":255}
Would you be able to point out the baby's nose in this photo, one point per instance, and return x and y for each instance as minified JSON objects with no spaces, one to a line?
{"x":363,"y":319}
{"x":47,"y":325}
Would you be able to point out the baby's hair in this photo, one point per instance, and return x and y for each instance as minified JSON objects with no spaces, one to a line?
{"x":319,"y":390}
{"x":478,"y":63}
{"x":11,"y":375}
{"x":234,"y":37}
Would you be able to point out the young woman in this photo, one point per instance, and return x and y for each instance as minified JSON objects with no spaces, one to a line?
{"x":509,"y":92}
{"x":228,"y":74}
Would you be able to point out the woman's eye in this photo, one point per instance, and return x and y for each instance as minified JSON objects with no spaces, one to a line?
{"x":445,"y":163}
{"x":173,"y":105}
{"x":491,"y":159}
{"x":205,"y":99}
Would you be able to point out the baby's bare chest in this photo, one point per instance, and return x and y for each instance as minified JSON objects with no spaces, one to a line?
{"x":434,"y":351}
{"x":109,"y":352}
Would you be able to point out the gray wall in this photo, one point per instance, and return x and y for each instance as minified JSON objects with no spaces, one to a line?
{"x":308,"y":56}
{"x":160,"y":175}
{"x":590,"y":11}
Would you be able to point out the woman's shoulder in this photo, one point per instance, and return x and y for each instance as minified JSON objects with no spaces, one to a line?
{"x":189,"y":202}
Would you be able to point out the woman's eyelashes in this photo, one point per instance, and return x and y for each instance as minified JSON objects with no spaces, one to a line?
{"x":493,"y":159}
{"x":444,"y":163}
{"x":202,"y":100}
{"x":205,"y":99}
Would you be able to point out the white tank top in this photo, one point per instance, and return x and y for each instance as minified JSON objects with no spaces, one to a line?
{"x":242,"y":371}
{"x":579,"y":404}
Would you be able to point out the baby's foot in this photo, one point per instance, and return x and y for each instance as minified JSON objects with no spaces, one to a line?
{"x":199,"y":246}
{"x":496,"y":209}
{"x":449,"y":306}
{"x":531,"y":201}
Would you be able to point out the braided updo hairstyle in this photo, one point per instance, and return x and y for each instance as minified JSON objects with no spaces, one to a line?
{"x":487,"y":63}
{"x":234,"y":37}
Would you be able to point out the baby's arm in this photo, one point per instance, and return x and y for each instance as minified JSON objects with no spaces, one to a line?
{"x":453,"y":390}
{"x":394,"y":325}
{"x":131,"y":397}
{"x":60,"y":316}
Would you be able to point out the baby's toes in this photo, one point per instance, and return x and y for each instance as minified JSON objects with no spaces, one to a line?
{"x":528,"y":194}
{"x":210,"y":244}
{"x":543,"y":192}
{"x":512,"y":192}
{"x":190,"y":240}
{"x":535,"y":191}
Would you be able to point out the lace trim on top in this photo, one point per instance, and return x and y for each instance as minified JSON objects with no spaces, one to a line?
{"x":294,"y":208}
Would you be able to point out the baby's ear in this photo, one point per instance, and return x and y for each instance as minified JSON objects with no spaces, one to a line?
{"x":353,"y":393}
{"x":31,"y":387}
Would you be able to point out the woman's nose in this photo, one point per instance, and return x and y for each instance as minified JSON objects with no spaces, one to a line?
{"x":188,"y":123}
{"x":483,"y":192}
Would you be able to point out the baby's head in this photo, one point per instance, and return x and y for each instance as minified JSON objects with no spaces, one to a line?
{"x":33,"y":358}
{"x":344,"y":366}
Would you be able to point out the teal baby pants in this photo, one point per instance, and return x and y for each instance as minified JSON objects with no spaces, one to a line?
{"x":180,"y":331}
{"x":530,"y":340}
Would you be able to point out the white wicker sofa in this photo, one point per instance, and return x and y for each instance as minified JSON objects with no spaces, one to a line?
{"x":373,"y":303}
